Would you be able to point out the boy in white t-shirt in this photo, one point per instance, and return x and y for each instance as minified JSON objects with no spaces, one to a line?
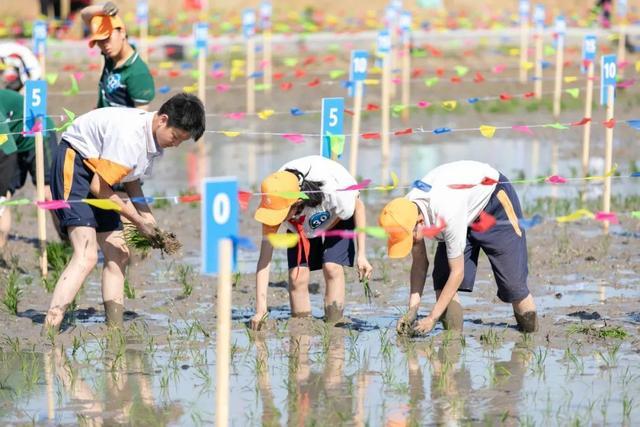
{"x":327,"y":208}
{"x":100,"y":149}
{"x":452,"y":203}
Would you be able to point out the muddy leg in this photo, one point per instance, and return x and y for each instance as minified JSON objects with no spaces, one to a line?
{"x":525,"y":313}
{"x":334,"y":292}
{"x":299,"y":292}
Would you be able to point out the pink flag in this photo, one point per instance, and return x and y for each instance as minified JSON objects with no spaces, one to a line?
{"x":296,"y":138}
{"x":612,"y":217}
{"x":523,"y":129}
{"x":53,"y":204}
{"x":556,"y":179}
{"x":358,"y":186}
{"x":235,"y":116}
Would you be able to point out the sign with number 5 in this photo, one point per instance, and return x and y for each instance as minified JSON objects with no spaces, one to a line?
{"x":35,"y":103}
{"x":332,"y":123}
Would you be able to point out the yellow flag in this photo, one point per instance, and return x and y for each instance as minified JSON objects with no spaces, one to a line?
{"x":231,"y":134}
{"x":105,"y":204}
{"x":613,"y":170}
{"x":570,"y":79}
{"x":394,"y":183}
{"x":638,"y":66}
{"x":449,"y":105}
{"x":165,"y":65}
{"x":190,"y":89}
{"x":514,"y":51}
{"x":265,"y":114}
{"x":575,"y":216}
{"x":528,"y":65}
{"x":3,"y":138}
{"x":371,"y":82}
{"x":487,"y":131}
{"x":283,"y":240}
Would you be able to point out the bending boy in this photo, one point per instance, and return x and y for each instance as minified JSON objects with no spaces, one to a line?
{"x":100,"y":149}
{"x":446,"y":204}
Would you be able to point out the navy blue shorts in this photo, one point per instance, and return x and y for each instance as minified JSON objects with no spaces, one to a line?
{"x":505,"y":245}
{"x":326,"y":249}
{"x":70,"y":180}
{"x":27,"y":163}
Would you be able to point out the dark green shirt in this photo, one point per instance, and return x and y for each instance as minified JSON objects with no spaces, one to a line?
{"x":129,"y":85}
{"x":12,"y":114}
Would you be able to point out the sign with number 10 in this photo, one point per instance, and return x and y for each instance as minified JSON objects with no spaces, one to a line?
{"x":332,"y":123}
{"x":384,"y":42}
{"x":35,"y":104}
{"x":39,"y":37}
{"x":358,"y":70}
{"x":219,"y":219}
{"x":248,"y":23}
{"x":539,"y":16}
{"x":201,"y":34}
{"x":608,"y":72}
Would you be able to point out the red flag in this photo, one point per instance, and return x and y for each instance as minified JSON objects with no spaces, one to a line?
{"x":372,"y":107}
{"x":174,"y":73}
{"x":505,"y":96}
{"x":190,"y":198}
{"x":529,"y":95}
{"x":407,"y":131}
{"x":585,"y":63}
{"x":440,"y":72}
{"x":349,"y":112}
{"x":313,"y":83}
{"x":329,"y":58}
{"x":461,"y":186}
{"x":243,"y":199}
{"x":488,"y":181}
{"x":479,"y":78}
{"x":309,"y":60}
{"x":286,"y":85}
{"x":455,"y":79}
{"x":299,"y":73}
{"x":484,"y":223}
{"x":278,"y":76}
{"x":609,"y":123}
{"x":582,"y":122}
{"x":417,"y":72}
{"x":371,"y":135}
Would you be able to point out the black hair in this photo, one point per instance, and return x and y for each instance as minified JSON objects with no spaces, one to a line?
{"x":313,"y":189}
{"x":185,"y":112}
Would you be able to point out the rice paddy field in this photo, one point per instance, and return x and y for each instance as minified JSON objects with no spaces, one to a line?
{"x":581,"y":368}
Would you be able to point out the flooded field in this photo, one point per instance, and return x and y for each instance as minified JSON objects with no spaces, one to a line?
{"x":582,"y":368}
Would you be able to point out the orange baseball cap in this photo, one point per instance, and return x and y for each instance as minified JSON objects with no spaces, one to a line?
{"x":399,"y":218}
{"x":274,"y":208}
{"x":102,"y":26}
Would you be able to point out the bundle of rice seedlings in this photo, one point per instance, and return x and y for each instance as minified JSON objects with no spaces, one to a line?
{"x":163,"y":240}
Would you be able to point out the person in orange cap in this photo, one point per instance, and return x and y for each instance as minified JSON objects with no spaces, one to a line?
{"x":466,"y":206}
{"x":125,"y":80}
{"x":304,"y":195}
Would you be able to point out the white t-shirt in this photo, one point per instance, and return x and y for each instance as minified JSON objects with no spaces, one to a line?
{"x":117,"y":143}
{"x":27,"y":63}
{"x":335,"y":204}
{"x":457,"y":207}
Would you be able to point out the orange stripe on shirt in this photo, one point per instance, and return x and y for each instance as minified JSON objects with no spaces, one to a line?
{"x":111,"y":172}
{"x":69,"y":161}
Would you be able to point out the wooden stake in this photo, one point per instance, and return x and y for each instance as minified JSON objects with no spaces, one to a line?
{"x":223,"y":334}
{"x":537,"y":85}
{"x":251,"y":103}
{"x":42,"y":60}
{"x":608,"y":156}
{"x":355,"y":128}
{"x":42,"y":219}
{"x":406,"y":76}
{"x":386,"y":82}
{"x":268,"y":58}
{"x":557,"y":91}
{"x":524,"y":49}
{"x":586,"y":131}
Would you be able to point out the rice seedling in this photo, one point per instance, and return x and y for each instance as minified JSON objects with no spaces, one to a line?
{"x":598,"y":332}
{"x":184,"y":272}
{"x":12,"y":292}
{"x":58,"y":255}
{"x":129,"y":288}
{"x":627,"y":406}
{"x":163,"y":240}
{"x":491,"y":338}
{"x":610,"y":357}
{"x":576,"y":361}
{"x":539,"y":357}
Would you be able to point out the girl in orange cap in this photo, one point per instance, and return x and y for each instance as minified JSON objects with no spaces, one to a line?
{"x":305,"y":197}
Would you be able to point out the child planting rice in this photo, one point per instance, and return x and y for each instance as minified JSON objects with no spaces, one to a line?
{"x":450,"y":204}
{"x":100,"y":149}
{"x":324,"y":208}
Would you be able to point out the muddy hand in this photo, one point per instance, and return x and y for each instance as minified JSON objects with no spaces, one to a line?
{"x":257,"y":320}
{"x":423,"y":327}
{"x":403,"y":327}
{"x":364,"y":268}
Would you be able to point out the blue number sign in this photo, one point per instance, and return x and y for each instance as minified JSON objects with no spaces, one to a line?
{"x":358,"y":69}
{"x":384,"y":42}
{"x":523,"y":10}
{"x":608,"y":72}
{"x":142,"y":11}
{"x":219,"y":219}
{"x":332,"y":123}
{"x":201,"y":35}
{"x":39,"y":37}
{"x":589,"y":47}
{"x":35,"y":104}
{"x":248,"y":23}
{"x":266,"y":10}
{"x":539,"y":16}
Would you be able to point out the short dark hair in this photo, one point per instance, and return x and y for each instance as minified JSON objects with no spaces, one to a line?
{"x":313,"y":189}
{"x":185,"y":112}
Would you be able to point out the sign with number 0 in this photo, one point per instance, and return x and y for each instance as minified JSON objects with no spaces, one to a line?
{"x":35,"y":104}
{"x":358,"y":69}
{"x":384,"y":42}
{"x":39,"y":37}
{"x":332,"y":122}
{"x":219,"y":219}
{"x":201,"y":35}
{"x":608,"y":72}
